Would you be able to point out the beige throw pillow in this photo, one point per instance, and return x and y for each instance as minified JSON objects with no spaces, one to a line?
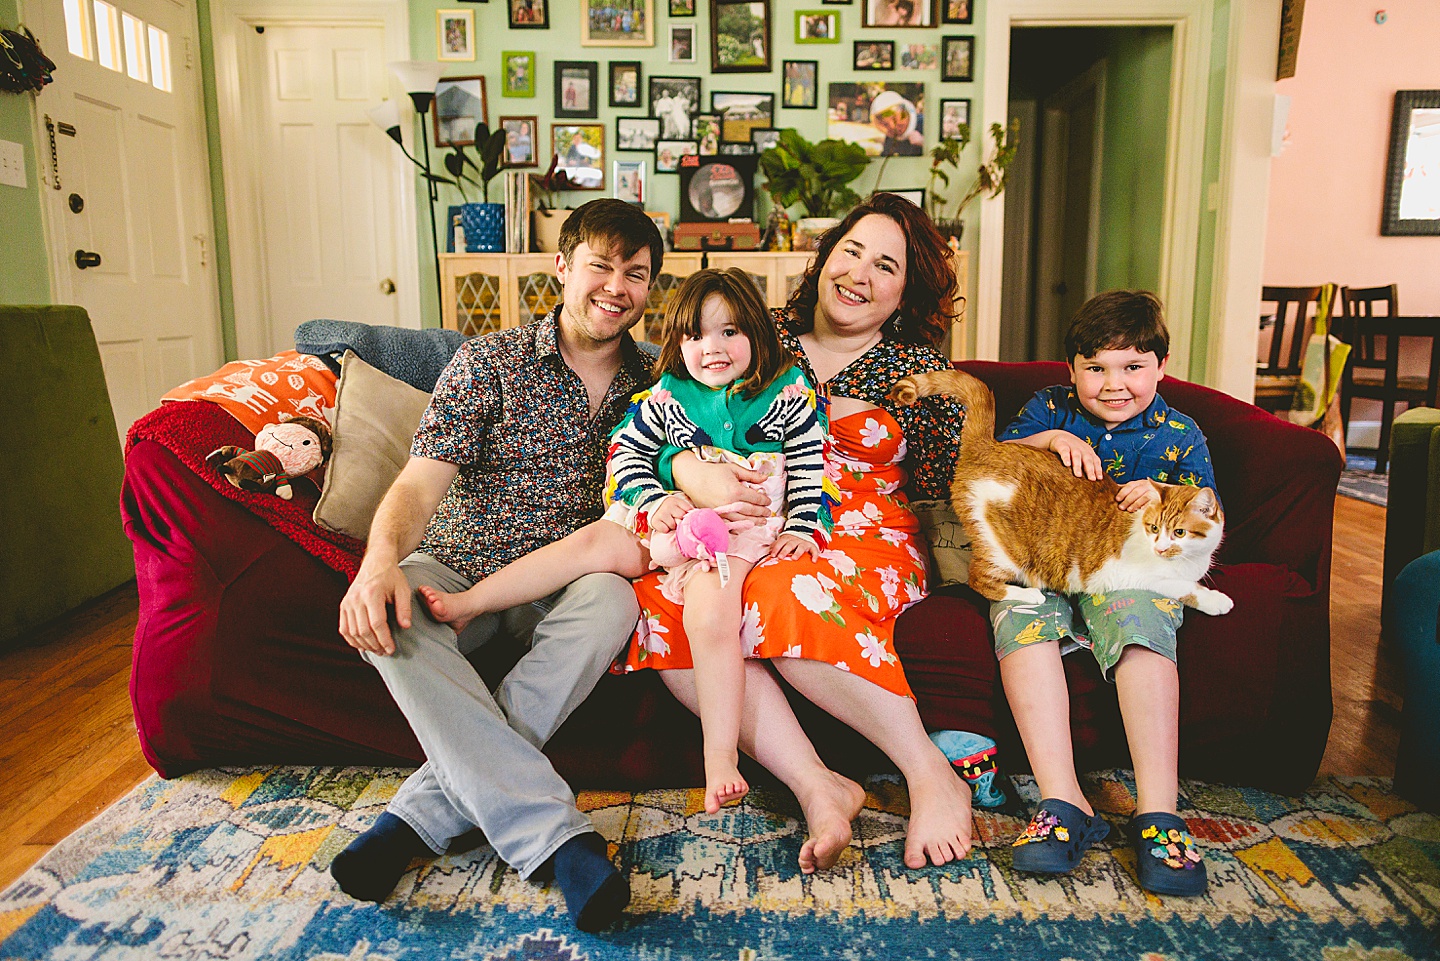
{"x":375,"y":420}
{"x":949,"y":542}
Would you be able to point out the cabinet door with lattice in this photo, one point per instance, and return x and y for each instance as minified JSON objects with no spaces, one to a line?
{"x":672,"y":273}
{"x":473,"y":284}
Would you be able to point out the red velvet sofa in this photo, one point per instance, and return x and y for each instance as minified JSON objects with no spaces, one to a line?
{"x":237,"y":659}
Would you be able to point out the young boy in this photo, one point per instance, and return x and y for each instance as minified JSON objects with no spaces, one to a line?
{"x":1110,"y":421}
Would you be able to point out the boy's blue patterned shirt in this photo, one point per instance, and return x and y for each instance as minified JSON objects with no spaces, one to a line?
{"x":1161,"y":444}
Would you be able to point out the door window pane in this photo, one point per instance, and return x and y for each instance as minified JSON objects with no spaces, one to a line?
{"x":160,"y":58}
{"x":107,"y":35}
{"x":133,"y":30}
{"x":77,"y":29}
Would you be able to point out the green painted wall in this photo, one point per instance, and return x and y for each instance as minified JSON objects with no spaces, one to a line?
{"x":224,"y":278}
{"x":24,"y":271}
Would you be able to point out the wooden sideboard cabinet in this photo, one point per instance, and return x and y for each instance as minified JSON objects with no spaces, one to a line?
{"x":489,"y":292}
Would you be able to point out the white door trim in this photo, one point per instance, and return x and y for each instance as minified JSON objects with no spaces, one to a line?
{"x":1184,"y":150}
{"x":239,"y":143}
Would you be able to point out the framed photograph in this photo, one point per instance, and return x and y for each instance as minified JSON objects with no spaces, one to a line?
{"x":517,"y":73}
{"x":636,"y":133}
{"x":1412,"y":173}
{"x":529,"y":14}
{"x":874,"y":55}
{"x":580,"y":148}
{"x":738,"y":150}
{"x":742,"y":112}
{"x":681,"y":8}
{"x":886,"y":119}
{"x":625,"y":83}
{"x":459,"y":106}
{"x":956,"y":11}
{"x":919,"y":56}
{"x":707,"y":133}
{"x":669,"y":152}
{"x":675,"y":101}
{"x":455,"y":35}
{"x":661,"y":220}
{"x":763,"y":138}
{"x":576,"y":88}
{"x":898,"y":13}
{"x":916,"y":195}
{"x":953,"y":115}
{"x":630,"y":181}
{"x":521,"y":135}
{"x":957,"y":58}
{"x":837,"y":3}
{"x":740,"y":36}
{"x":607,"y":23}
{"x":799,"y":83}
{"x":682,"y":43}
{"x":817,"y":26}
{"x":717,"y":189}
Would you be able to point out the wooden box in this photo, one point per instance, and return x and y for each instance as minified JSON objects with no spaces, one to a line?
{"x":710,"y":236}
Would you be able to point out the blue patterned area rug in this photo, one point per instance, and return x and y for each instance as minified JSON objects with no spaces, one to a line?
{"x":1359,"y":480}
{"x":231,"y":865}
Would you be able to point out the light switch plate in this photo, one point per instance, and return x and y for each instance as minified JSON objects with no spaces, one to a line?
{"x":12,"y":163}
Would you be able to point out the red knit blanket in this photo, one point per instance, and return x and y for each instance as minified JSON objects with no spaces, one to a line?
{"x":192,"y":430}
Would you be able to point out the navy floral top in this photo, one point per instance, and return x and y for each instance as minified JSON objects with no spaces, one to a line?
{"x":1160,"y":444}
{"x":516,"y":419}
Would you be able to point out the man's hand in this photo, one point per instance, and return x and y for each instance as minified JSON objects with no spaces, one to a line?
{"x":719,"y":486}
{"x":664,"y":517}
{"x":788,"y":546}
{"x":364,"y":614}
{"x":1077,"y":455}
{"x":1136,"y":494}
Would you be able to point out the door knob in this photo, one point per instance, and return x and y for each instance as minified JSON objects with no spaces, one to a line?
{"x":387,"y":286}
{"x":77,"y":203}
{"x":86,"y":258}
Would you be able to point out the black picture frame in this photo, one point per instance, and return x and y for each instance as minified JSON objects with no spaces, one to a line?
{"x":957,"y":11}
{"x":617,"y":68}
{"x":675,"y":123}
{"x":528,"y":14}
{"x":738,"y":150}
{"x":763,"y":138}
{"x":707,"y":124}
{"x":682,"y":8}
{"x":637,"y":133}
{"x":1394,"y":221}
{"x":961,"y":105}
{"x":569,"y":76}
{"x":800,"y":84}
{"x":718,"y":189}
{"x":874,"y":55}
{"x":669,"y":152}
{"x":957,"y":59}
{"x":738,"y":55}
{"x":742,"y":111}
{"x":916,"y":195}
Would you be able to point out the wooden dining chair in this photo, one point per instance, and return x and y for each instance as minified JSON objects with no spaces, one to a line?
{"x":1285,"y":329}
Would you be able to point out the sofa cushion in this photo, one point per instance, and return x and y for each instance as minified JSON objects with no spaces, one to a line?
{"x":376,"y":417}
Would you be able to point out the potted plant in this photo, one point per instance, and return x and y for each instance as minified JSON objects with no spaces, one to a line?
{"x":989,"y":177}
{"x":483,"y":223}
{"x":548,"y":219}
{"x":814,"y":175}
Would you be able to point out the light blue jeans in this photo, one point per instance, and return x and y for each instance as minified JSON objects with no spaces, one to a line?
{"x":484,"y":767}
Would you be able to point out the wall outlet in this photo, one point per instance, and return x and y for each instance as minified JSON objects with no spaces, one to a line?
{"x":12,"y":164}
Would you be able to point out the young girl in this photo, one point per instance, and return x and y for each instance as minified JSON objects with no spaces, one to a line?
{"x":727,"y":391}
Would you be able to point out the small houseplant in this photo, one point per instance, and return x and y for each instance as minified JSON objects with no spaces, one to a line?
{"x":989,"y":177}
{"x":484,"y":223}
{"x":815,"y":175}
{"x":548,"y":218}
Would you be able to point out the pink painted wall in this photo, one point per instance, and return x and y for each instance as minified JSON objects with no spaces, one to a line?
{"x":1327,"y":187}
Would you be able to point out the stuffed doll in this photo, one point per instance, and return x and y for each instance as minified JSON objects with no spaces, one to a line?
{"x":289,"y":449}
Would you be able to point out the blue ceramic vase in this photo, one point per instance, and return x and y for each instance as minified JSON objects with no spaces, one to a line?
{"x":484,"y":228}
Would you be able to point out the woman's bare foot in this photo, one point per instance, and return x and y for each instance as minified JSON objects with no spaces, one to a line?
{"x":940,"y":818}
{"x":723,"y":782}
{"x":451,"y":609}
{"x":830,"y":806}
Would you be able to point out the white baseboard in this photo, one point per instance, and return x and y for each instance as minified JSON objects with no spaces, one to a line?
{"x":1364,"y":434}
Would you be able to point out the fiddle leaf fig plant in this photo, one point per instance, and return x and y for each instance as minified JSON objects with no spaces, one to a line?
{"x":815,"y":175}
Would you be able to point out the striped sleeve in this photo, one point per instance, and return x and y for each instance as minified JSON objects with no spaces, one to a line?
{"x":807,"y":499}
{"x":630,"y":474}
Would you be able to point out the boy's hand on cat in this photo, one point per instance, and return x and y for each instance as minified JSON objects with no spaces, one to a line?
{"x":1136,"y":494}
{"x":1077,"y":455}
{"x":788,"y":546}
{"x":668,"y":514}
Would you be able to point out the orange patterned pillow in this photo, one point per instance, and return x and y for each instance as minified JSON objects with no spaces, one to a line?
{"x":257,"y":392}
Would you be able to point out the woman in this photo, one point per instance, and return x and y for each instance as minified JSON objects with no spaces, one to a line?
{"x":870,"y":309}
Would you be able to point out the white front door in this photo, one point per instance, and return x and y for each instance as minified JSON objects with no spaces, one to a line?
{"x":324,"y":175}
{"x":130,"y":224}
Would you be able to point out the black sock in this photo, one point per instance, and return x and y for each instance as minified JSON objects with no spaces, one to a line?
{"x":595,"y":893}
{"x":373,"y":864}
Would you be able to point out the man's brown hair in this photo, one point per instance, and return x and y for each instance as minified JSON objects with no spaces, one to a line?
{"x":612,"y":227}
{"x":768,"y":359}
{"x":1115,"y":320}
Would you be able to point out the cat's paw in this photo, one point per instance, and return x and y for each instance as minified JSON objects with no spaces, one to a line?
{"x":905,"y":392}
{"x":1212,"y":602}
{"x":1027,"y":595}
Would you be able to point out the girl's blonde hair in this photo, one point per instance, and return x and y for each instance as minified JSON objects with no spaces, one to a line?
{"x":768,"y":359}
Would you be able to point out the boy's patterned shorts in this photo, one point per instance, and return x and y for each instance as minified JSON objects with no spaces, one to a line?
{"x":1103,"y":623}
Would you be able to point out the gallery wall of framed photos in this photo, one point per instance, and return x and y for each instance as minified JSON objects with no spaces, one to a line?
{"x":662,"y":78}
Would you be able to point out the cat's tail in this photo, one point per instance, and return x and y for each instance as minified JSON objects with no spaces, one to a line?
{"x":979,"y":402}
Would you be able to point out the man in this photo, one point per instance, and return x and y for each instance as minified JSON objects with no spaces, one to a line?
{"x":510,"y":455}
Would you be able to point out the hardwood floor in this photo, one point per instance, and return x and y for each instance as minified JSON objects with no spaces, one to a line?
{"x":70,"y":748}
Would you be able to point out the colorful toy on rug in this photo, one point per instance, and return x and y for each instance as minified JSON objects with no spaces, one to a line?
{"x":974,"y":758}
{"x":292,"y":448}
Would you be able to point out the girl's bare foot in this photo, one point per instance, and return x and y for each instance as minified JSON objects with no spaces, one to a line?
{"x":450,"y":609}
{"x":940,"y":819}
{"x":830,"y":805}
{"x":723,"y":782}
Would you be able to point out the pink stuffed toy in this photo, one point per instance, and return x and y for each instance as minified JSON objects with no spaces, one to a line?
{"x":700,"y":535}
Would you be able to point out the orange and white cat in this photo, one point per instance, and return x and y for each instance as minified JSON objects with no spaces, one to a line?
{"x":1032,"y":522}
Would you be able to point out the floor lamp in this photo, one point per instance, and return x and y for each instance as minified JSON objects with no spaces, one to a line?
{"x":419,"y":78}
